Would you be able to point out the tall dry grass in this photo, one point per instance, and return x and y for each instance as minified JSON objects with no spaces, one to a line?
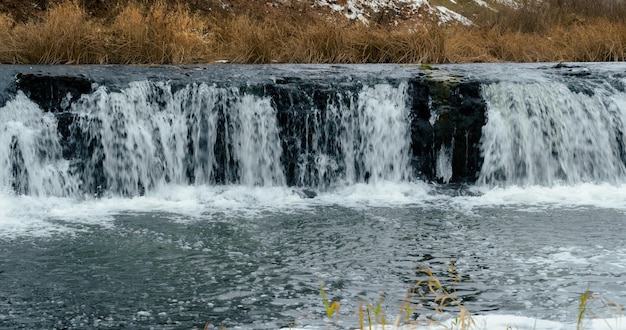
{"x":420,"y":45}
{"x":7,"y":44}
{"x":242,"y":39}
{"x":165,"y":31}
{"x":541,"y":16}
{"x":317,"y":43}
{"x":596,"y":41}
{"x":493,"y":45}
{"x":155,"y":34}
{"x":64,"y":34}
{"x":138,"y":33}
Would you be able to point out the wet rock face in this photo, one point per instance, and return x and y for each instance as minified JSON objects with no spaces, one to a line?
{"x":447,"y":116}
{"x":422,"y":134}
{"x":443,"y":115}
{"x":461,"y":116}
{"x":53,"y":93}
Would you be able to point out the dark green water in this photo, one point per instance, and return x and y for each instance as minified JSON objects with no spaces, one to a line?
{"x":156,"y":270}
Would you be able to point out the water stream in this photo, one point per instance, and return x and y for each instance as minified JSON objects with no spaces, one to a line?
{"x":165,"y":205}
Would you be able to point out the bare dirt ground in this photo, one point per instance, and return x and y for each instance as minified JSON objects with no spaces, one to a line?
{"x":23,"y":11}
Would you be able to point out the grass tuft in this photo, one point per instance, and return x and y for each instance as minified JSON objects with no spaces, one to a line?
{"x":332,"y":308}
{"x":7,"y":44}
{"x":440,"y":295}
{"x":156,"y":34}
{"x":64,"y":35}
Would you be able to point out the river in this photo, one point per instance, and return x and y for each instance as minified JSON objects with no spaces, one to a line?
{"x":179,"y":198}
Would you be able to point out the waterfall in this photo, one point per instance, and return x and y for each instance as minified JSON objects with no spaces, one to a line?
{"x":547,"y":134}
{"x":444,"y":164}
{"x":383,"y":127}
{"x":146,"y":135}
{"x":136,"y":137}
{"x":31,"y":159}
{"x":362,"y":137}
{"x":257,"y":145}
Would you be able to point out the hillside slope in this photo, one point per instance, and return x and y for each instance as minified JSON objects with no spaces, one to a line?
{"x":362,"y":10}
{"x":310,"y":31}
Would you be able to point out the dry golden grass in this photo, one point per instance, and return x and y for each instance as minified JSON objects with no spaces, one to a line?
{"x":155,"y":34}
{"x":7,"y":50}
{"x":317,"y":43}
{"x":420,"y":45}
{"x":164,"y":31}
{"x":244,"y":40}
{"x":510,"y":46}
{"x":596,"y":41}
{"x":63,"y":35}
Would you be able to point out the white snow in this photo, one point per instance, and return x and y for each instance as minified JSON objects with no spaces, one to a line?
{"x":447,"y":16}
{"x":359,"y":9}
{"x":482,"y":3}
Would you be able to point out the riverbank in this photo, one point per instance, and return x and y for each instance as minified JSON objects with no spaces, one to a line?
{"x":166,"y":32}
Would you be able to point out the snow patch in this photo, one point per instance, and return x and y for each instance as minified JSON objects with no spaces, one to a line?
{"x":482,"y":3}
{"x":360,"y":9}
{"x":448,"y":16}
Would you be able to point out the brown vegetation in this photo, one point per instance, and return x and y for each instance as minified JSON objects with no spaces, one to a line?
{"x":158,"y":32}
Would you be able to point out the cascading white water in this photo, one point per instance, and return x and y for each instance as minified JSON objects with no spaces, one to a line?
{"x":144,"y":131}
{"x":257,"y":143}
{"x":443,"y":168}
{"x":363,"y":137}
{"x":140,"y":143}
{"x":546,"y":134}
{"x":332,"y":144}
{"x":383,"y":127}
{"x":31,"y":159}
{"x":139,"y":138}
{"x":198,"y":106}
{"x":134,"y":140}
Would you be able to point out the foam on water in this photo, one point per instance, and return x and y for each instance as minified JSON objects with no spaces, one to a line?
{"x":487,"y":322}
{"x":566,"y":196}
{"x":43,"y":216}
{"x":381,"y":194}
{"x":26,"y":215}
{"x":495,"y":321}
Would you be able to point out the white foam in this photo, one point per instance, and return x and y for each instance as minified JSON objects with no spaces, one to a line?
{"x":45,"y":216}
{"x":582,"y":195}
{"x":25,"y":215}
{"x":380,"y":194}
{"x":487,"y":322}
{"x":523,"y":323}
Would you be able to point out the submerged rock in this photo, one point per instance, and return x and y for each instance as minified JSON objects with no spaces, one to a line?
{"x":305,"y":193}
